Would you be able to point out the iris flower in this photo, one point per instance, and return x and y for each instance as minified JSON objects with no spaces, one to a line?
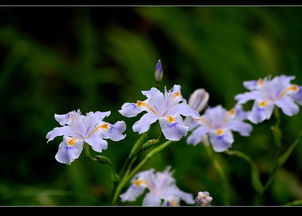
{"x":162,"y":189}
{"x":166,"y":107}
{"x":219,"y":123}
{"x":78,"y":129}
{"x":268,"y":93}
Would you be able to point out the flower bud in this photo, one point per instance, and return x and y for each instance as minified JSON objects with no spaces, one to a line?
{"x":203,"y":199}
{"x":158,"y":72}
{"x":199,"y":99}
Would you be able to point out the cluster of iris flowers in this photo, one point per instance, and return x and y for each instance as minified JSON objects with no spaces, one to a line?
{"x":177,"y":119}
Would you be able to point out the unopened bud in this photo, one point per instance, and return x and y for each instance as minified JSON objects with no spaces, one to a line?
{"x":199,"y":99}
{"x":203,"y":199}
{"x":158,"y":72}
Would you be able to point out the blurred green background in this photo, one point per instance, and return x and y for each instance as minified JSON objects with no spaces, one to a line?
{"x":54,"y":60}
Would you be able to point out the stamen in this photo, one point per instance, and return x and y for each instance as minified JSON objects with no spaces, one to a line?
{"x":293,"y":88}
{"x":170,"y":119}
{"x":176,"y":94}
{"x":104,"y":126}
{"x":141,"y":181}
{"x":263,"y":104}
{"x":219,"y":132}
{"x":173,"y":203}
{"x":71,"y":142}
{"x":144,"y":104}
{"x":232,"y":111}
{"x":260,"y":82}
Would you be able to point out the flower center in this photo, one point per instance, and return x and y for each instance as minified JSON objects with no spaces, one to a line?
{"x":103,"y":126}
{"x":71,"y":141}
{"x":144,"y":104}
{"x":173,"y":203}
{"x":260,"y":82}
{"x":170,"y":119}
{"x":263,"y":104}
{"x":219,"y":132}
{"x":293,"y":88}
{"x":176,"y":94}
{"x":141,"y":181}
{"x":232,"y":111}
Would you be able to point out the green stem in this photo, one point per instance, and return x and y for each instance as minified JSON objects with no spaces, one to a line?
{"x":277,"y":132}
{"x":282,"y":159}
{"x":220,"y":172}
{"x":103,"y":160}
{"x":129,"y":176}
{"x":133,"y":151}
{"x":277,"y":140}
{"x":255,"y":178}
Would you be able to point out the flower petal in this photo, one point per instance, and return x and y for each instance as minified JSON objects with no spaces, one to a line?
{"x":173,"y":131}
{"x":64,"y":118}
{"x":98,"y":115}
{"x":132,"y":193}
{"x":197,"y":135}
{"x":297,"y":96}
{"x":66,"y":154}
{"x":144,"y":123}
{"x":187,"y":197}
{"x":130,"y":110}
{"x":287,"y":105}
{"x":185,"y":110}
{"x":115,"y":131}
{"x":96,"y":142}
{"x":222,"y":142}
{"x":259,"y":114}
{"x":58,"y":131}
{"x":243,"y":98}
{"x":243,"y":128}
{"x":250,"y":85}
{"x":151,"y":200}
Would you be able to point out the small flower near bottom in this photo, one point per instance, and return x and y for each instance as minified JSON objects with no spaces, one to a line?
{"x":78,"y":129}
{"x":203,"y":199}
{"x":162,"y":189}
{"x":268,"y":93}
{"x":167,"y":108}
{"x":219,"y":123}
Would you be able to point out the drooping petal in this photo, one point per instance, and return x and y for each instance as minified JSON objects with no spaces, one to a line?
{"x":115,"y":131}
{"x":222,"y":142}
{"x":58,"y":131}
{"x":287,"y":105}
{"x":144,"y":123}
{"x":173,"y":130}
{"x":66,"y":153}
{"x":64,"y":118}
{"x":185,"y":110}
{"x":197,"y":135}
{"x":250,"y":85}
{"x":130,"y":110}
{"x":245,"y":97}
{"x":187,"y":197}
{"x":151,"y":200}
{"x":98,"y":115}
{"x":96,"y":142}
{"x":132,"y":193}
{"x":259,"y":114}
{"x":243,"y":128}
{"x":297,"y":96}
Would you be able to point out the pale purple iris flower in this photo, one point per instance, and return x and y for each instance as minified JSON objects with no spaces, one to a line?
{"x":167,"y":108}
{"x":219,"y":123}
{"x":78,"y":129}
{"x":268,"y":93}
{"x":162,"y":189}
